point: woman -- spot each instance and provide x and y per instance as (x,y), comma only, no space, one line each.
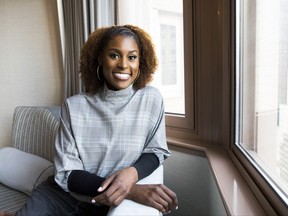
(112,135)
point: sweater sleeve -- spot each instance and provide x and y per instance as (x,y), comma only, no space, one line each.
(85,183)
(67,156)
(156,139)
(146,164)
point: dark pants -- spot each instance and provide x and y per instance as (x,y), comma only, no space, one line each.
(50,200)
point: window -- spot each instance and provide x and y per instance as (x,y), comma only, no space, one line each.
(262,90)
(164,20)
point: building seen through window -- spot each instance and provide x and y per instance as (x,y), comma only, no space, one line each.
(163,19)
(262,88)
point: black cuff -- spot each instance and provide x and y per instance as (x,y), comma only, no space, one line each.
(146,164)
(85,183)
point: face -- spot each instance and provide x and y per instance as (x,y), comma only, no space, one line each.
(120,62)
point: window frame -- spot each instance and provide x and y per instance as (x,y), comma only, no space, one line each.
(268,195)
(187,122)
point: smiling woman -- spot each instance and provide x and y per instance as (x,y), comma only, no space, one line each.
(136,56)
(112,135)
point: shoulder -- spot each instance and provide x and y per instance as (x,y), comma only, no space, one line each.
(78,102)
(78,98)
(150,98)
(151,92)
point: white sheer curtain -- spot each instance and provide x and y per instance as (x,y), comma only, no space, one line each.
(77,19)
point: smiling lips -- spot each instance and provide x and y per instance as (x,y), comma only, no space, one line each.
(121,76)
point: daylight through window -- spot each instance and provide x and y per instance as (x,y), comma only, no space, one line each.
(262,88)
(163,19)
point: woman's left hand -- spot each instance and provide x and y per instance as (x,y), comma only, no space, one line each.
(117,187)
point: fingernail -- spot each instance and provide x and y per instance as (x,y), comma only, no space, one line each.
(93,201)
(176,207)
(100,189)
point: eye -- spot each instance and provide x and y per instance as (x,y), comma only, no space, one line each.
(114,56)
(132,57)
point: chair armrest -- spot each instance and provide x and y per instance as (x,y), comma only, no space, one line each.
(131,208)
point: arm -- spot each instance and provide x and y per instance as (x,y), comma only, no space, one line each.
(146,164)
(156,138)
(66,153)
(155,195)
(134,207)
(119,184)
(85,183)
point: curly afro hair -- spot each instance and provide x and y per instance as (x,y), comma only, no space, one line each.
(96,43)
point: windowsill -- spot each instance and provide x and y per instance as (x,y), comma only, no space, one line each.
(237,197)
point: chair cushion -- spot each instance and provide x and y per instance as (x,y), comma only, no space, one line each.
(23,171)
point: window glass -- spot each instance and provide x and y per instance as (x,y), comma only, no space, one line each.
(168,59)
(163,19)
(262,88)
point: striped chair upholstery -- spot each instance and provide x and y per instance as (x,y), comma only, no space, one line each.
(11,200)
(33,130)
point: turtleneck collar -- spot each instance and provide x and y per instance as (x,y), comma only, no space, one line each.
(111,95)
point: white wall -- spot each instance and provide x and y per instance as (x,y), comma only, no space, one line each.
(30,58)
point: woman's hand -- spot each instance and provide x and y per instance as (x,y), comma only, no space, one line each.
(117,187)
(157,196)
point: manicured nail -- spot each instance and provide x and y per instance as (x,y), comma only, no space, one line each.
(93,201)
(176,207)
(100,189)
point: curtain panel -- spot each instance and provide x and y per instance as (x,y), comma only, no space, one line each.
(77,20)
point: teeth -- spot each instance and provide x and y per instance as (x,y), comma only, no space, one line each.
(122,76)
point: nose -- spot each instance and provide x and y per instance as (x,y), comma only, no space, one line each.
(122,63)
